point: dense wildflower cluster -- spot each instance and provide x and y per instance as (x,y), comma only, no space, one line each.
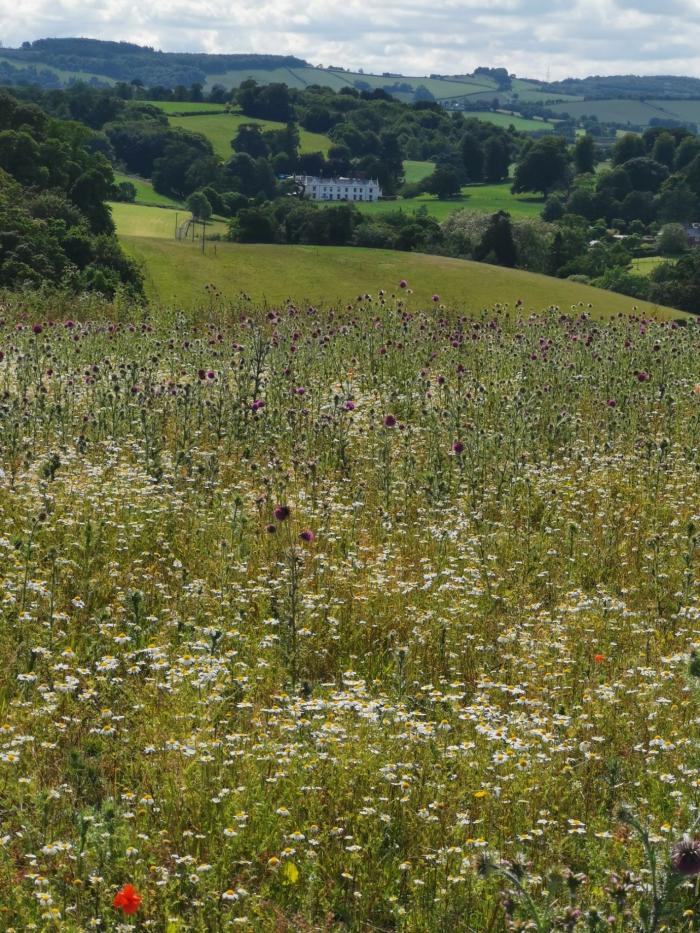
(305,617)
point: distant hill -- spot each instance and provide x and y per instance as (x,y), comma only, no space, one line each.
(124,61)
(57,62)
(656,100)
(635,87)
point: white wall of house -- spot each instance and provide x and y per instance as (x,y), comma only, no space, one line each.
(340,189)
(692,231)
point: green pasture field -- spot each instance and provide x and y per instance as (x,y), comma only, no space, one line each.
(522,124)
(485,198)
(688,110)
(145,193)
(634,112)
(178,273)
(160,222)
(416,171)
(183,107)
(646,264)
(220,129)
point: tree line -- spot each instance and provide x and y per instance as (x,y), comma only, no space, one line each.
(55,227)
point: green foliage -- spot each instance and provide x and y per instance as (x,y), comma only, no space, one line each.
(126,191)
(629,146)
(678,283)
(672,240)
(445,182)
(56,227)
(584,154)
(199,206)
(544,166)
(497,245)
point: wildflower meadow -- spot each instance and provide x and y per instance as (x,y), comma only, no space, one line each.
(380,617)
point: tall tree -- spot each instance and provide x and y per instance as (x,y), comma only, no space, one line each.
(496,159)
(629,146)
(584,155)
(497,244)
(544,167)
(472,157)
(198,205)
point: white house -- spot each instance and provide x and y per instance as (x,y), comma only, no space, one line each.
(692,231)
(339,189)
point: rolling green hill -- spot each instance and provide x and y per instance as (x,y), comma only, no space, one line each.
(179,273)
(632,112)
(94,60)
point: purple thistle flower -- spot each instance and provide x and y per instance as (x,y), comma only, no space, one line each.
(349,405)
(403,283)
(307,535)
(458,447)
(282,512)
(390,421)
(685,857)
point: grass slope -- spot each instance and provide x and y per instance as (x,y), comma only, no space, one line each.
(441,88)
(145,193)
(159,222)
(522,124)
(179,273)
(416,171)
(633,112)
(221,128)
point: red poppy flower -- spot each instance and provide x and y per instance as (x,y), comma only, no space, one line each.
(598,658)
(127,899)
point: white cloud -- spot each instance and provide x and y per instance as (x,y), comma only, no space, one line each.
(568,37)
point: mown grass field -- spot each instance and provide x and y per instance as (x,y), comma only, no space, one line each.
(148,221)
(145,193)
(221,128)
(416,171)
(383,618)
(646,265)
(179,273)
(485,198)
(180,107)
(522,124)
(635,112)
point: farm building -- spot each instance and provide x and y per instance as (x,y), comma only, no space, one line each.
(339,189)
(692,231)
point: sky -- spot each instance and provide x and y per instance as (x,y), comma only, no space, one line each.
(533,38)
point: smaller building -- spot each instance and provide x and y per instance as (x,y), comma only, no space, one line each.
(692,231)
(339,189)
